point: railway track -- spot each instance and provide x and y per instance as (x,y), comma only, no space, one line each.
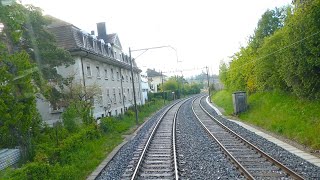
(252,162)
(156,159)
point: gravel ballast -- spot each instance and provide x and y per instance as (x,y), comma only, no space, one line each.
(117,166)
(304,168)
(199,157)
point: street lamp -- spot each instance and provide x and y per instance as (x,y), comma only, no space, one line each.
(131,68)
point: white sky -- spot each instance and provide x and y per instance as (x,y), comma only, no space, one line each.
(204,32)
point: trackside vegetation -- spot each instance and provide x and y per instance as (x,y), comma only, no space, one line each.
(282,54)
(281,113)
(73,153)
(280,71)
(74,147)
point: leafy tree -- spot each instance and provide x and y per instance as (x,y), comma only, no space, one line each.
(270,22)
(28,57)
(300,63)
(19,120)
(79,100)
(170,85)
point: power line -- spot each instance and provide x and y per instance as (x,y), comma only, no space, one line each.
(277,50)
(183,70)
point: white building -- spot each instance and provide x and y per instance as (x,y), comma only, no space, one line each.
(155,79)
(99,61)
(144,87)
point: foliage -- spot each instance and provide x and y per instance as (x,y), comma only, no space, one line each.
(179,86)
(19,120)
(79,100)
(63,154)
(279,112)
(71,118)
(283,54)
(28,57)
(171,84)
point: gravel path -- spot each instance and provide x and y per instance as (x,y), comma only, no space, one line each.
(304,168)
(199,157)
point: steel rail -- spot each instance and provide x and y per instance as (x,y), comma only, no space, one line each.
(242,169)
(174,143)
(135,173)
(274,161)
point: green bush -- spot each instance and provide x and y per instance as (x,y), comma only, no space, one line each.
(34,170)
(107,124)
(61,154)
(69,117)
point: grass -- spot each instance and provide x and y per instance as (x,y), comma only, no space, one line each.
(78,154)
(223,99)
(281,113)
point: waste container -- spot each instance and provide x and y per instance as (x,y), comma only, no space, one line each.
(239,99)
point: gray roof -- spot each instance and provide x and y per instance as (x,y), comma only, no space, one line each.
(72,38)
(152,73)
(114,40)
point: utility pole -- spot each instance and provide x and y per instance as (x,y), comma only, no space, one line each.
(134,90)
(208,82)
(164,100)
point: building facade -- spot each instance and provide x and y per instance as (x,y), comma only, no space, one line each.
(155,79)
(100,63)
(144,87)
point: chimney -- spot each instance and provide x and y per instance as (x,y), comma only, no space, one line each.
(92,33)
(102,31)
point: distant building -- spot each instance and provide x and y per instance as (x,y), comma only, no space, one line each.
(154,79)
(98,61)
(144,87)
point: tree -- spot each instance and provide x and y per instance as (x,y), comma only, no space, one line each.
(80,99)
(170,85)
(19,120)
(270,22)
(28,57)
(300,63)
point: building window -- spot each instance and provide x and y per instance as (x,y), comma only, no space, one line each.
(120,56)
(98,72)
(120,95)
(112,75)
(108,96)
(118,77)
(127,78)
(100,98)
(105,74)
(114,96)
(115,55)
(128,94)
(89,70)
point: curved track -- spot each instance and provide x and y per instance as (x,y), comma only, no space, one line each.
(252,162)
(158,159)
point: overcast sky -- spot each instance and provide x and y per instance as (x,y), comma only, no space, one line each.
(203,32)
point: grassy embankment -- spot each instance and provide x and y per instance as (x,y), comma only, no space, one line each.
(79,153)
(281,113)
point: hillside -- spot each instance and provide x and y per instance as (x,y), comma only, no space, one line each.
(281,113)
